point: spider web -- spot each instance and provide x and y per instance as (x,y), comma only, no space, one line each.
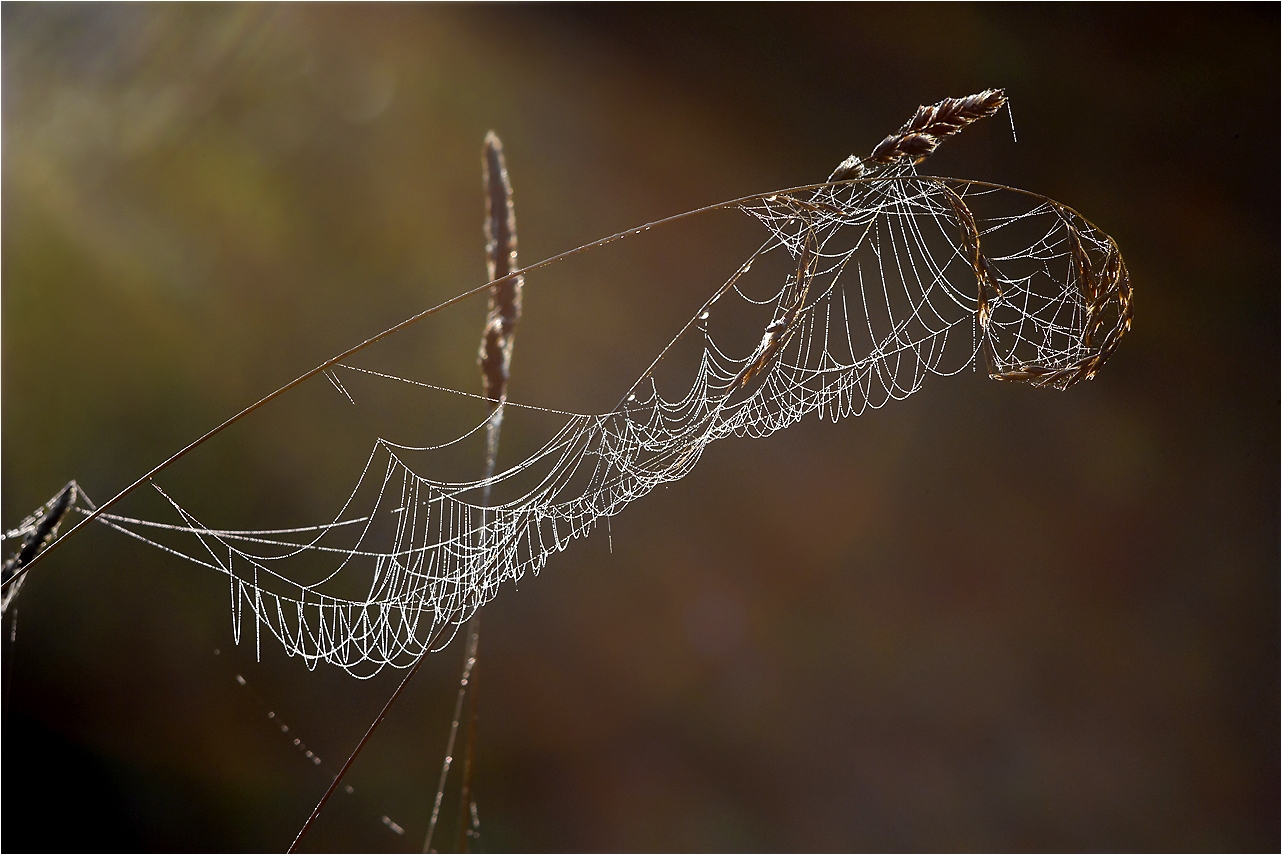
(861,291)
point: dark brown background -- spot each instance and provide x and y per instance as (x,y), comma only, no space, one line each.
(985,618)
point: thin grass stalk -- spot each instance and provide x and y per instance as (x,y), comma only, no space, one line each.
(449,744)
(496,364)
(495,360)
(387,707)
(469,820)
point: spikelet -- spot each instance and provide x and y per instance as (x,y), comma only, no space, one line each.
(930,126)
(500,251)
(851,167)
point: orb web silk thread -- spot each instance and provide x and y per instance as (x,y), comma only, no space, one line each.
(864,290)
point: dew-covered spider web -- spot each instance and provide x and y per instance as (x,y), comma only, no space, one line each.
(860,293)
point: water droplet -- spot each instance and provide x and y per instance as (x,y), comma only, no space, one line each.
(271,714)
(298,742)
(217,651)
(349,789)
(240,679)
(284,729)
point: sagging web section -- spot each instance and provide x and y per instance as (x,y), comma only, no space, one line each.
(860,292)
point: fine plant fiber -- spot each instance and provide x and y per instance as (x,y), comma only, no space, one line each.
(892,277)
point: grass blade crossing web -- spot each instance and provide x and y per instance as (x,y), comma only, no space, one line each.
(496,362)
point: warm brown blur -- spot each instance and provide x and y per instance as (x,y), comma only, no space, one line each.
(988,617)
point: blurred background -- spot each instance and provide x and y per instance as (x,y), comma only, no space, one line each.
(988,617)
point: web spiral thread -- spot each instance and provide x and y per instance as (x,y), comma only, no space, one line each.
(863,289)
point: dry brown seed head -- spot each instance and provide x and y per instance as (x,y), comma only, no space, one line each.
(930,126)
